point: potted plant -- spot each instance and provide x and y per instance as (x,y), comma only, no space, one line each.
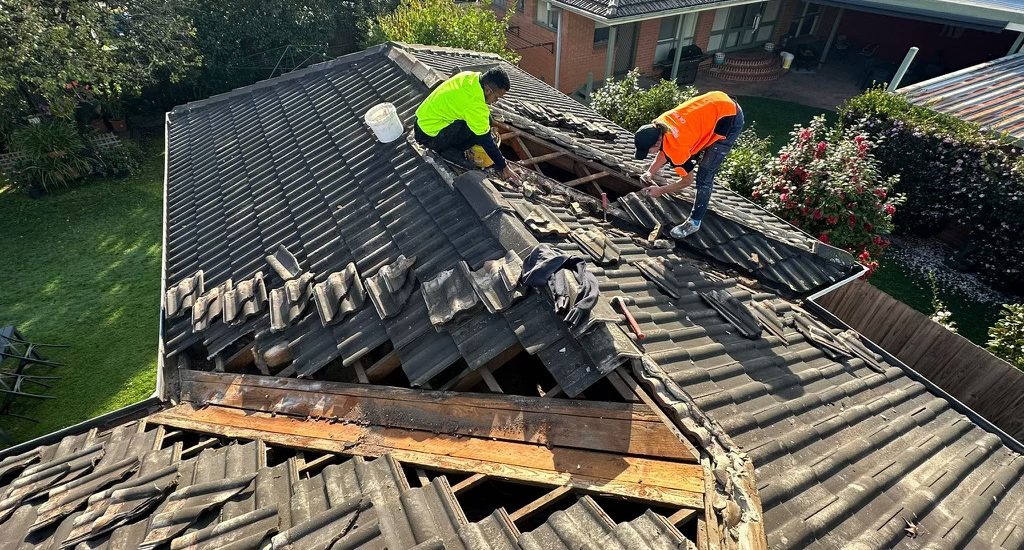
(115,116)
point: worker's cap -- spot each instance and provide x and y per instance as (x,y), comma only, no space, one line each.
(644,139)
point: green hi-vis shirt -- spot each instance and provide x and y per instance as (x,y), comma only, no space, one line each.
(459,98)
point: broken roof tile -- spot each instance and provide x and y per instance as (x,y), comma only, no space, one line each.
(496,282)
(449,295)
(284,263)
(336,527)
(245,300)
(289,302)
(340,295)
(244,531)
(540,219)
(734,311)
(187,503)
(209,306)
(183,295)
(39,478)
(597,244)
(391,286)
(66,497)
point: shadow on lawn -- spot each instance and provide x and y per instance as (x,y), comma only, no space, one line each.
(84,270)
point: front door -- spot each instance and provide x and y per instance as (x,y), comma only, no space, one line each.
(625,47)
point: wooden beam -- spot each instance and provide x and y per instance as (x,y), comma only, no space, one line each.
(656,409)
(422,477)
(204,444)
(635,478)
(468,378)
(615,379)
(384,366)
(585,179)
(511,133)
(361,375)
(682,516)
(630,183)
(490,381)
(541,158)
(606,427)
(553,392)
(316,462)
(547,499)
(468,483)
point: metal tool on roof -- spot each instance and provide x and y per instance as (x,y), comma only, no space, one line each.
(633,325)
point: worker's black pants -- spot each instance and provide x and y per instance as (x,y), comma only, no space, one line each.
(454,137)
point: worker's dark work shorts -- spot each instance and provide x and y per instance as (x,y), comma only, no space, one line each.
(454,137)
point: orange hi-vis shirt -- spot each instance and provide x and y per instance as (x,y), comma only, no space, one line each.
(691,126)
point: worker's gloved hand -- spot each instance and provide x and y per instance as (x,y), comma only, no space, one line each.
(653,191)
(510,175)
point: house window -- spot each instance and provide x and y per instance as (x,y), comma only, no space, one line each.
(600,35)
(665,49)
(744,26)
(547,15)
(504,3)
(806,22)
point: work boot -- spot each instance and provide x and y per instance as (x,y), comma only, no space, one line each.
(457,158)
(685,229)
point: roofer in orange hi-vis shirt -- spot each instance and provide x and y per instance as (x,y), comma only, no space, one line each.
(709,123)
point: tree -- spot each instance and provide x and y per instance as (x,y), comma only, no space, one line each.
(57,54)
(445,23)
(629,105)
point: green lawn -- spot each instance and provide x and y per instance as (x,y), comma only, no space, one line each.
(83,268)
(972,317)
(775,119)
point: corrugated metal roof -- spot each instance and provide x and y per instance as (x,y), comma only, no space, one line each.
(990,94)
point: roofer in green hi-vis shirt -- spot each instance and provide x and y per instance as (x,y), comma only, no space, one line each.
(455,117)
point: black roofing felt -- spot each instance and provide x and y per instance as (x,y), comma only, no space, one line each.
(229,496)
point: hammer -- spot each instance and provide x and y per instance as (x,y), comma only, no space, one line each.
(629,317)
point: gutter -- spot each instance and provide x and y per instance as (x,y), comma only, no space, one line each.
(646,16)
(957,405)
(161,383)
(840,284)
(112,417)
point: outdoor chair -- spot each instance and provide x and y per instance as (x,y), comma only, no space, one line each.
(14,346)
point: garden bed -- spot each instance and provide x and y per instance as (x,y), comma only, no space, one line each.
(903,274)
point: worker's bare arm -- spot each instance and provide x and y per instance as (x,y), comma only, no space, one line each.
(683,183)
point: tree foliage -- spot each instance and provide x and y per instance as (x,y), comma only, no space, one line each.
(445,23)
(59,53)
(1006,337)
(626,103)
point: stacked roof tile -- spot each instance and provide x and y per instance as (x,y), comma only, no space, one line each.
(130,488)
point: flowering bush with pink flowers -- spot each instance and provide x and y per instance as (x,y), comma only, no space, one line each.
(826,182)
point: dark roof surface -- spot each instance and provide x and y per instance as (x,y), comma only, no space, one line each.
(617,9)
(990,94)
(848,448)
(134,486)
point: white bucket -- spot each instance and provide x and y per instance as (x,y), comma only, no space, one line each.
(787,59)
(382,118)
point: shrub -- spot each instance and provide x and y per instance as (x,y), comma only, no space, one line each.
(951,172)
(445,23)
(827,183)
(1006,337)
(745,162)
(942,314)
(627,104)
(55,155)
(124,159)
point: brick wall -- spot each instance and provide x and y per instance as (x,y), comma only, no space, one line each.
(580,56)
(788,10)
(645,46)
(702,33)
(538,61)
